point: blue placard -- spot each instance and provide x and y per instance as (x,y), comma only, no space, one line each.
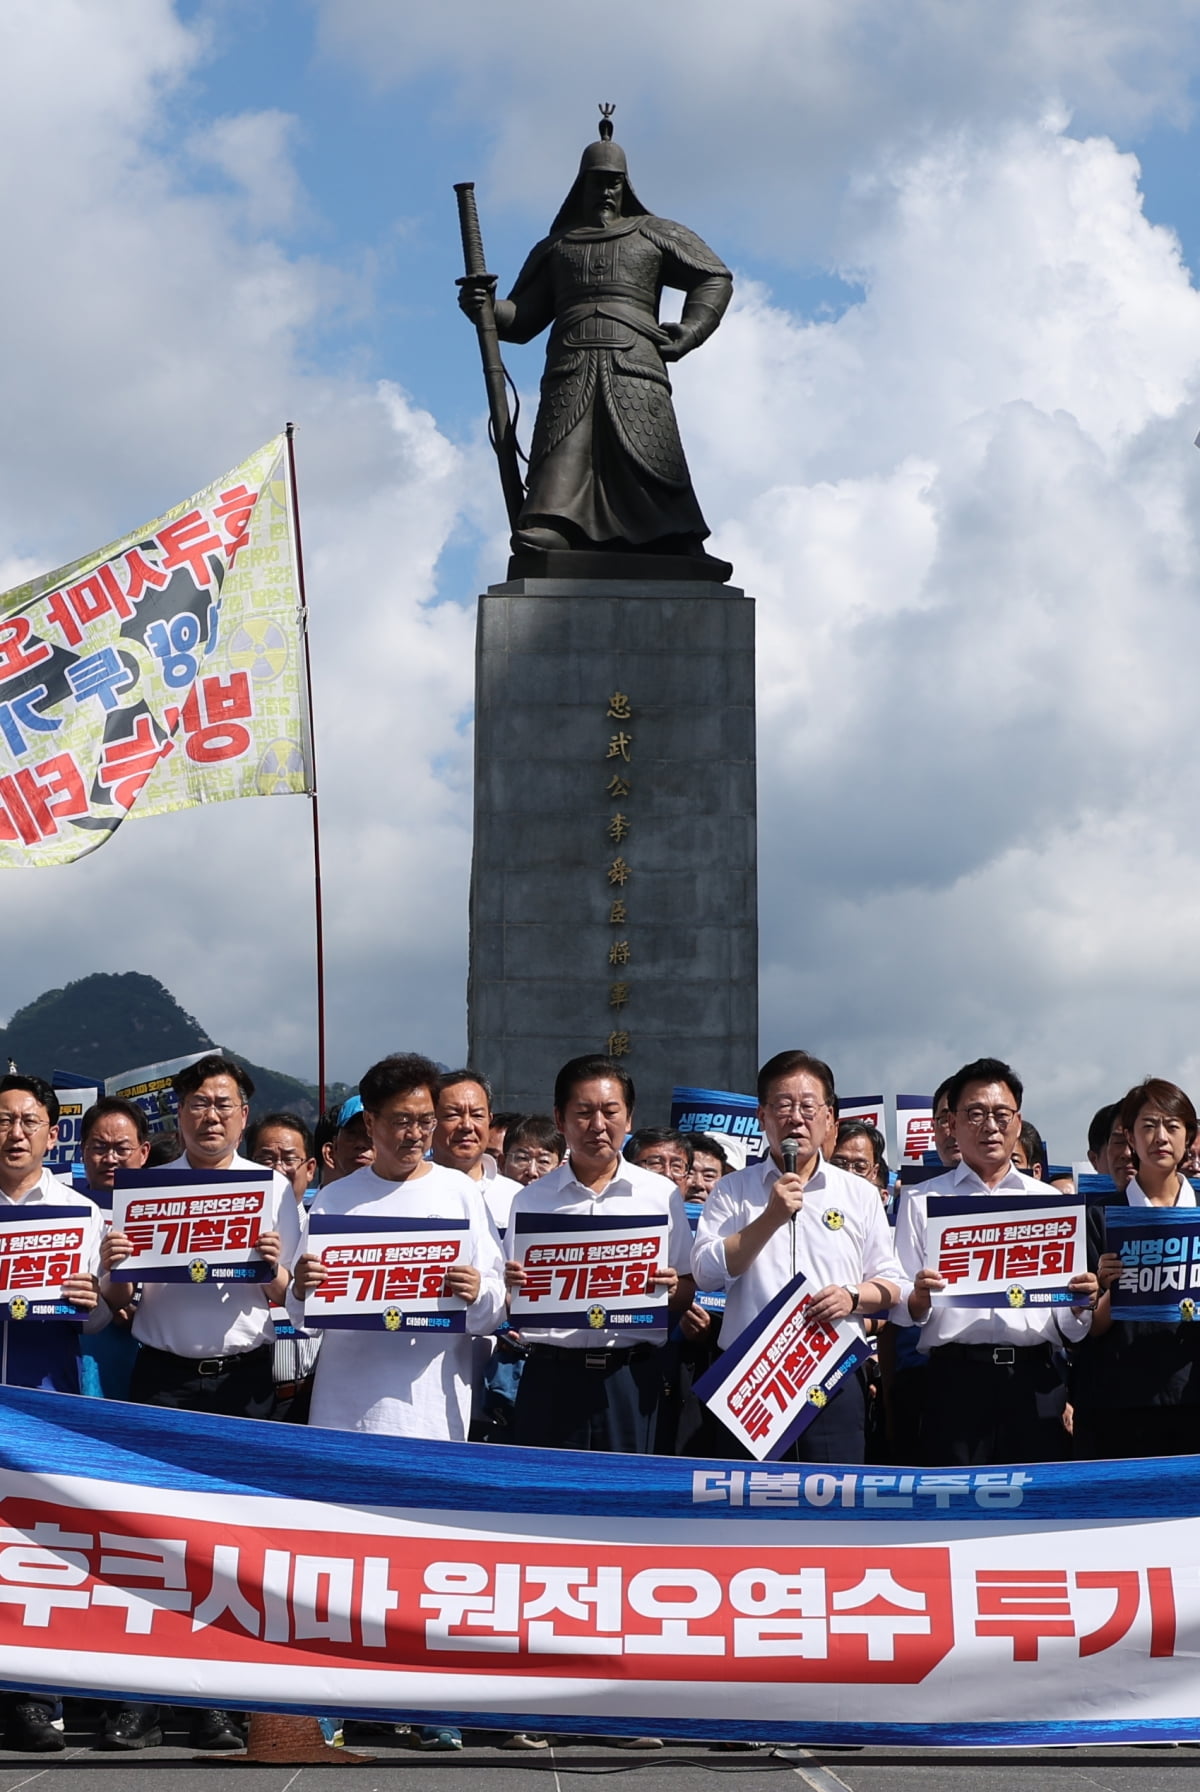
(1160,1248)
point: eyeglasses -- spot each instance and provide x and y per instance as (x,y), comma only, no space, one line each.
(665,1166)
(203,1104)
(857,1166)
(420,1124)
(279,1160)
(540,1160)
(785,1107)
(26,1122)
(94,1148)
(978,1118)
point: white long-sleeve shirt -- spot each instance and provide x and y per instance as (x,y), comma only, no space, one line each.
(631,1191)
(1019,1326)
(840,1237)
(407,1384)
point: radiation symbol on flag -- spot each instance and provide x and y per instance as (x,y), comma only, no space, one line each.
(282,762)
(258,646)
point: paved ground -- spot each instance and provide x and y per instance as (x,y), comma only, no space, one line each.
(676,1768)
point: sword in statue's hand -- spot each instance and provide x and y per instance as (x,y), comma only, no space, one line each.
(478,289)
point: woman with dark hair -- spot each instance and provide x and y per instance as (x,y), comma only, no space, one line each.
(1134,1385)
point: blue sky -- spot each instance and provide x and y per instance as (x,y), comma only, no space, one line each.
(944,434)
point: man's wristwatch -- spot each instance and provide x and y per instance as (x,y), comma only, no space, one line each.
(853,1293)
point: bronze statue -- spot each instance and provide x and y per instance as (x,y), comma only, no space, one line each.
(607,473)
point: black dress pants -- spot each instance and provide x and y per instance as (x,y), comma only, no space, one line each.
(990,1405)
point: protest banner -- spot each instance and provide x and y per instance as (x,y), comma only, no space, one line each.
(162,671)
(223,1562)
(75,1097)
(1160,1249)
(914,1127)
(771,1381)
(711,1299)
(730,1119)
(40,1246)
(149,1088)
(585,1270)
(385,1273)
(195,1225)
(1005,1250)
(868,1108)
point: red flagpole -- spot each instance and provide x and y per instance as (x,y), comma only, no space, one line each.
(316,817)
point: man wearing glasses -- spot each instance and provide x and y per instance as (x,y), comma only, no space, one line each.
(408,1384)
(994,1391)
(283,1142)
(764,1225)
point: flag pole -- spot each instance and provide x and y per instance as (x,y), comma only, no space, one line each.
(312,751)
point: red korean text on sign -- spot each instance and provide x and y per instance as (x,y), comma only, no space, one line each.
(1029,1605)
(36,799)
(194,1589)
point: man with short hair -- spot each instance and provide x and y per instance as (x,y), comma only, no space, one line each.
(42,1353)
(994,1393)
(283,1142)
(944,1141)
(709,1164)
(414,1384)
(207,1346)
(764,1225)
(664,1150)
(596,1389)
(463,1105)
(114,1135)
(860,1150)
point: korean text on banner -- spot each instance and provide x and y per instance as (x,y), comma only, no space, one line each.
(1160,1249)
(770,1383)
(582,1270)
(914,1127)
(385,1274)
(163,671)
(39,1248)
(867,1108)
(181,1555)
(195,1225)
(731,1119)
(1006,1250)
(711,1299)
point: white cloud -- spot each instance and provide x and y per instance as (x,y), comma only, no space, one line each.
(253,150)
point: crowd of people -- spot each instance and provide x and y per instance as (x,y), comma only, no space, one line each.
(948,1386)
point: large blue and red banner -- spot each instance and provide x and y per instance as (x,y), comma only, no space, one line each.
(225,1562)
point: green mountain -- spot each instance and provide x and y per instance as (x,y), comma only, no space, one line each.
(114,1021)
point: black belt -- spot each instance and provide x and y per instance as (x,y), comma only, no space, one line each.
(596,1359)
(209,1365)
(1003,1356)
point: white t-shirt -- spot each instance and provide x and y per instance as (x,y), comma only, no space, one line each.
(407,1384)
(1019,1326)
(213,1318)
(499,1193)
(632,1190)
(840,1236)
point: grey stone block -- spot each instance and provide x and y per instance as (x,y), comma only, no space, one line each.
(549,660)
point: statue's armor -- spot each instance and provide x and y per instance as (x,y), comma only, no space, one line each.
(606,454)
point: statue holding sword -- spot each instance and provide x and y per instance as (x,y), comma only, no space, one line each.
(607,472)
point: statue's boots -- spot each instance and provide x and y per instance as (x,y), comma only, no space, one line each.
(539,540)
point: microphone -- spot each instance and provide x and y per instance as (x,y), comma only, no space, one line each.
(791,1156)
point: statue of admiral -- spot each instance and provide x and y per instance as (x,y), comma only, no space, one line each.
(606,465)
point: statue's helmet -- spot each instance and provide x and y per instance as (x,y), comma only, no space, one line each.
(604,157)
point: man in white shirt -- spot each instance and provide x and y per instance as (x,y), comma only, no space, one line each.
(599,1389)
(994,1391)
(462,1102)
(205,1347)
(766,1224)
(407,1384)
(41,1353)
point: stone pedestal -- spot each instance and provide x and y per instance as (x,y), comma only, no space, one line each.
(614,887)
